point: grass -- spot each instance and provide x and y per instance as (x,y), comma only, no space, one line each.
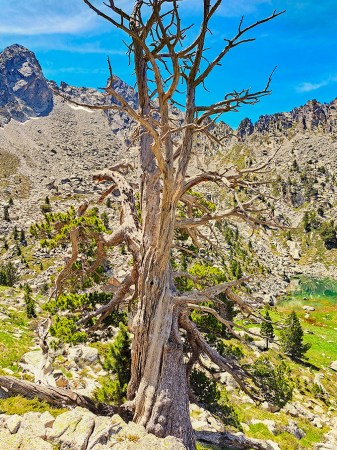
(248,412)
(20,405)
(12,347)
(319,327)
(320,330)
(202,446)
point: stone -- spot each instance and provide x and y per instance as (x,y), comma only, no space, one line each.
(293,429)
(317,422)
(10,441)
(47,419)
(13,423)
(308,308)
(73,429)
(24,90)
(333,366)
(35,443)
(103,430)
(82,354)
(32,425)
(135,437)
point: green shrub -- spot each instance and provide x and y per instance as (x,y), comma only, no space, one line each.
(117,362)
(8,275)
(20,405)
(274,381)
(29,301)
(291,338)
(215,400)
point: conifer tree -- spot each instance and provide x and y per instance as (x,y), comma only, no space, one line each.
(267,329)
(117,361)
(291,338)
(29,301)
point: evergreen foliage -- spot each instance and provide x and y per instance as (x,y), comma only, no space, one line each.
(65,329)
(15,233)
(274,381)
(117,362)
(67,309)
(291,338)
(213,399)
(54,231)
(29,301)
(8,275)
(6,213)
(328,232)
(267,329)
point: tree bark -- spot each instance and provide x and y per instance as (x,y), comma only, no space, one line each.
(158,383)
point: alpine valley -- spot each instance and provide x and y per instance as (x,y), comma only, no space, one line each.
(51,144)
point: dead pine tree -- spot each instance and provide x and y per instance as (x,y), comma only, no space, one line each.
(159,388)
(166,69)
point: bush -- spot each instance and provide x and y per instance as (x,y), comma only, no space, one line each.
(29,301)
(267,329)
(6,213)
(291,338)
(273,381)
(8,275)
(117,362)
(215,400)
(327,232)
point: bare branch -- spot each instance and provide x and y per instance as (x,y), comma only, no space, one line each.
(227,364)
(211,292)
(234,42)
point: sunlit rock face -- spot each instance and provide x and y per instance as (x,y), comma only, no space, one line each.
(24,91)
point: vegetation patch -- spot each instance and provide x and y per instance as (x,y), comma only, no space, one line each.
(20,405)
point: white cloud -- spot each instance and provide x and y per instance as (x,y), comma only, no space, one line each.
(36,17)
(309,87)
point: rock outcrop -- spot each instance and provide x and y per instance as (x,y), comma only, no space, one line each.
(77,429)
(24,91)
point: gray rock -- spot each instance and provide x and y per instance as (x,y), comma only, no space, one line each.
(333,366)
(295,430)
(13,423)
(73,429)
(24,91)
(308,308)
(103,430)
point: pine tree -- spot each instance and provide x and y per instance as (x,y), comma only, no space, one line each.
(291,338)
(29,301)
(6,213)
(267,329)
(117,362)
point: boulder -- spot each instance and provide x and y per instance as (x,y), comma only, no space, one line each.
(103,430)
(308,308)
(73,429)
(333,366)
(13,423)
(293,429)
(135,437)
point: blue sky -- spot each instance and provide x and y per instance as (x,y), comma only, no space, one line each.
(72,45)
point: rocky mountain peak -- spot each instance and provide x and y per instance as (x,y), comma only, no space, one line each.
(24,91)
(309,117)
